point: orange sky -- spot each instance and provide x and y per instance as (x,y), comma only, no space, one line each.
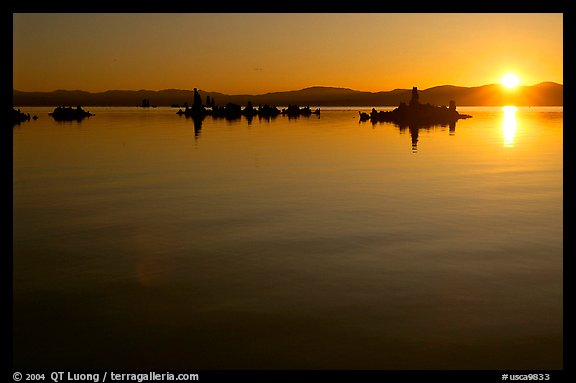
(258,53)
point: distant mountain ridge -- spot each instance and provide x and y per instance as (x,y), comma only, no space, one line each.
(543,94)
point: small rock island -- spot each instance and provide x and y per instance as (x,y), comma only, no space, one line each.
(16,116)
(69,114)
(416,113)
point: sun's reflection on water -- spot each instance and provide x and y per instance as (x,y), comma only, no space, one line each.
(509,125)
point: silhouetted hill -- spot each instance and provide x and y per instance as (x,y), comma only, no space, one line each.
(543,94)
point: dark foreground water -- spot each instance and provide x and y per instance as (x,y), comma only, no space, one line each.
(310,243)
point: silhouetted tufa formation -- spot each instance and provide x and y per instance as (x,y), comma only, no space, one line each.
(295,111)
(16,117)
(69,114)
(416,116)
(416,113)
(197,111)
(234,111)
(230,111)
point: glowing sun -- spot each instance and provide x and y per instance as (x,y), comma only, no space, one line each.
(510,80)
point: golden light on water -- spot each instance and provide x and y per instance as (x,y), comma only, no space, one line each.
(509,125)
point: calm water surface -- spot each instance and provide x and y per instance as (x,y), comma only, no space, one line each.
(310,243)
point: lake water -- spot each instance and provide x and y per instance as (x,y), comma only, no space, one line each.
(309,243)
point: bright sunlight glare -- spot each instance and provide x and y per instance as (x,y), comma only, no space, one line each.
(510,80)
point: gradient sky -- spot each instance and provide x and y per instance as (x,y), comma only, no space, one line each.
(239,53)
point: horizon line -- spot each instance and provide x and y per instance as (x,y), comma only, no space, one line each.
(277,91)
